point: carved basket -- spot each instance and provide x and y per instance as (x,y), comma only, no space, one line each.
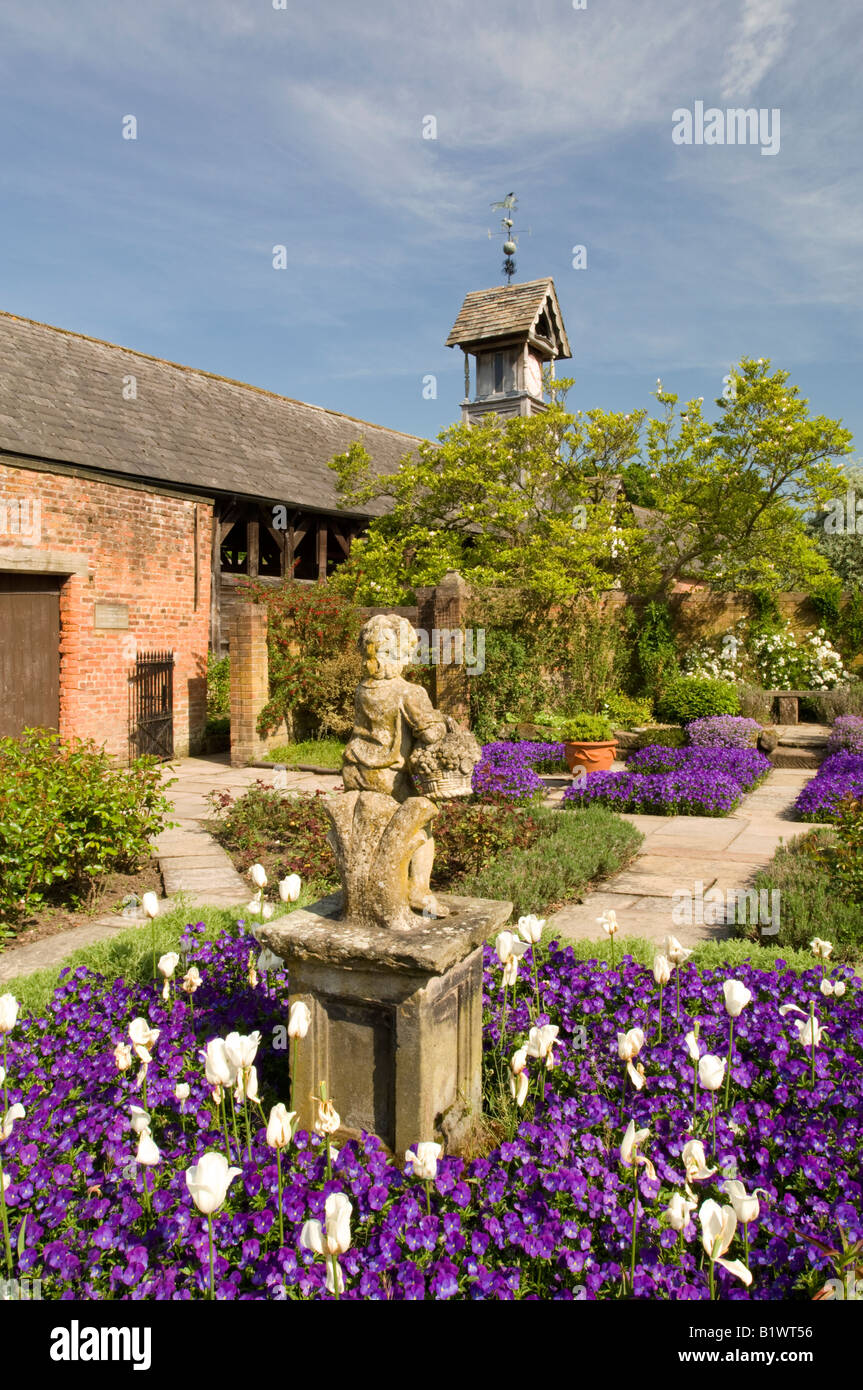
(442,786)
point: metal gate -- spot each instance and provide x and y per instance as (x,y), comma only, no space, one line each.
(151,706)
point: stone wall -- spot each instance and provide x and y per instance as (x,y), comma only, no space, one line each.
(125,545)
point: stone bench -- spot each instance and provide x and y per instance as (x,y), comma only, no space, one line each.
(788,703)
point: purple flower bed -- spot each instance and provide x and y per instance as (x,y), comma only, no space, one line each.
(689,791)
(745,766)
(675,781)
(546,1214)
(838,777)
(723,731)
(507,770)
(846,736)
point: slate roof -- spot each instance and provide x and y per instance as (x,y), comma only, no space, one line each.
(61,399)
(508,310)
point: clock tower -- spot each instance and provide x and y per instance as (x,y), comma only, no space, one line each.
(512,331)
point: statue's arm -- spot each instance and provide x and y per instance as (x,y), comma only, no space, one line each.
(427,723)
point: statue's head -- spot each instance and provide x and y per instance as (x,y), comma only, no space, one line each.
(387,645)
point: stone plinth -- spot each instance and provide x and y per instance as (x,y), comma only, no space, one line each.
(396,1029)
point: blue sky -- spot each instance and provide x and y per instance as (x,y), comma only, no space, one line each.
(303,126)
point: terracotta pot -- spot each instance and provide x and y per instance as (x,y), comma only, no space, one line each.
(593,757)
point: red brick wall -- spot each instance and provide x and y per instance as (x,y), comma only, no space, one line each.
(139,548)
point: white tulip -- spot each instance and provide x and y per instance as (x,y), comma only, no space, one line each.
(267,911)
(167,964)
(839,988)
(676,953)
(8,1012)
(182,1091)
(334,1238)
(147,1155)
(247,1085)
(820,948)
(328,1119)
(123,1056)
(737,996)
(268,960)
(150,904)
(299,1019)
(530,928)
(711,1071)
(746,1207)
(14,1113)
(140,1121)
(241,1050)
(337,1282)
(661,969)
(629,1155)
(280,1127)
(208,1181)
(608,922)
(809,1032)
(255,906)
(692,1046)
(518,1087)
(218,1067)
(142,1034)
(826,987)
(695,1163)
(258,875)
(191,980)
(6,1182)
(630,1044)
(424,1159)
(718,1225)
(679,1210)
(509,948)
(540,1042)
(290,888)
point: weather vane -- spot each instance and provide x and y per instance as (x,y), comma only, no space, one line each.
(510,245)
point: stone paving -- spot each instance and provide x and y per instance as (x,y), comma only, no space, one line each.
(678,854)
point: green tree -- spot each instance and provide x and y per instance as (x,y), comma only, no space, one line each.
(838,530)
(730,498)
(520,502)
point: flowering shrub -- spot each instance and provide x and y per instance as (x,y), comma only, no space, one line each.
(585,1198)
(776,659)
(687,698)
(723,731)
(839,776)
(846,736)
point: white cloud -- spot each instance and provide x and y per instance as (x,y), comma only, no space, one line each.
(764,32)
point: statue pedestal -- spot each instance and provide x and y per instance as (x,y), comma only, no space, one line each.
(396,1030)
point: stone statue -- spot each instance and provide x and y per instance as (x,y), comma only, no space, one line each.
(380,836)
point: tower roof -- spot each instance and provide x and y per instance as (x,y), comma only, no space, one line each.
(512,311)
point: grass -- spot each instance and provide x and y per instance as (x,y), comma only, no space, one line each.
(581,848)
(810,903)
(321,752)
(710,955)
(129,954)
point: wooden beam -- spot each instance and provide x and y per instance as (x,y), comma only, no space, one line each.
(343,540)
(254,546)
(322,548)
(216,588)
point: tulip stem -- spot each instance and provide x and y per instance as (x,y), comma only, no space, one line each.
(428,1198)
(535,978)
(294,1072)
(634,1219)
(225,1127)
(677,984)
(234,1121)
(503,1020)
(745,1225)
(212,1259)
(335,1260)
(5,1217)
(659,1039)
(146,1190)
(713,1108)
(246,1119)
(5,1076)
(728,1067)
(711,1275)
(812,1034)
(192,1014)
(281,1217)
(153,940)
(622,1093)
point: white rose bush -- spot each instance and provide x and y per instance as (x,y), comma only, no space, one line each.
(718,1159)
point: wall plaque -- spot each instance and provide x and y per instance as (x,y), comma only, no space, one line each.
(111,615)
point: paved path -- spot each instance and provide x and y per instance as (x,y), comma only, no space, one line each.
(691,854)
(678,853)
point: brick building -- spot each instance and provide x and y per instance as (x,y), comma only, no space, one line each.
(134,496)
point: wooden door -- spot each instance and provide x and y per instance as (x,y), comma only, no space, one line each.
(29,652)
